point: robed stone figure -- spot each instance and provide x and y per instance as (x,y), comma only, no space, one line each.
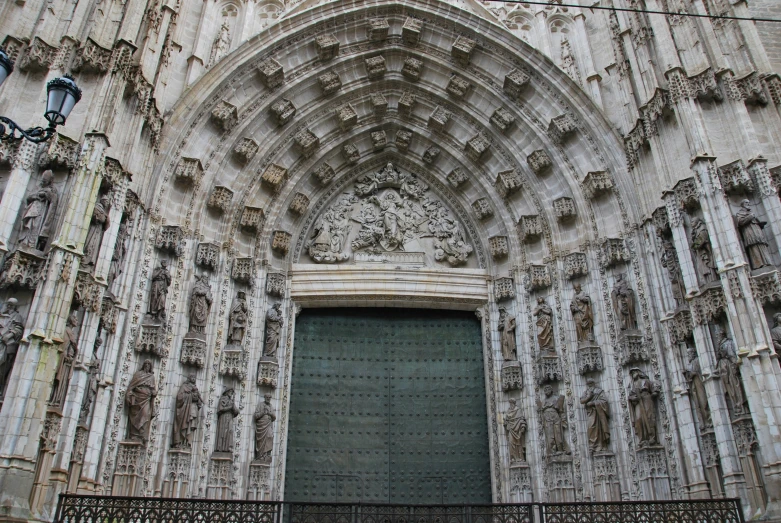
(188,405)
(598,412)
(775,332)
(11,331)
(697,392)
(120,251)
(237,321)
(642,396)
(753,236)
(624,304)
(64,371)
(670,262)
(139,398)
(39,215)
(583,315)
(92,390)
(515,425)
(727,369)
(226,411)
(273,331)
(554,422)
(507,327)
(703,259)
(97,227)
(161,280)
(544,315)
(264,429)
(200,304)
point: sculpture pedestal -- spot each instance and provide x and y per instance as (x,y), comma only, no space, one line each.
(150,339)
(548,369)
(589,358)
(512,376)
(129,469)
(520,482)
(220,474)
(268,369)
(178,477)
(607,485)
(194,350)
(561,487)
(652,472)
(233,362)
(259,484)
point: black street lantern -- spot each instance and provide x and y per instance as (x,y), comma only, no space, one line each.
(62,96)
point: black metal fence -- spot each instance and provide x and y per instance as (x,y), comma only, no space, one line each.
(114,509)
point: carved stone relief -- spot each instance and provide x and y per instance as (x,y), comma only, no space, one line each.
(476,147)
(407,101)
(403,139)
(329,82)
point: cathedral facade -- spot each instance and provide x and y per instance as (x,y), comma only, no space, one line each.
(393,251)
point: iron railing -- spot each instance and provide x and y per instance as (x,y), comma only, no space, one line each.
(115,509)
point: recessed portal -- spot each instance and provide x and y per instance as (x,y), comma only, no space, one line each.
(388,405)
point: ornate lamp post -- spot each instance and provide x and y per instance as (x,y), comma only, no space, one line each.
(62,95)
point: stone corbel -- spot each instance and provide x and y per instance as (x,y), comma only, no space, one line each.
(539,161)
(22,269)
(375,67)
(410,31)
(462,50)
(499,247)
(170,238)
(431,154)
(306,142)
(88,293)
(561,127)
(477,146)
(564,208)
(245,150)
(502,119)
(406,104)
(92,57)
(596,183)
(614,252)
(299,204)
(735,178)
(243,270)
(482,208)
(220,199)
(324,174)
(508,182)
(274,176)
(327,47)
(252,219)
(575,265)
(283,111)
(766,287)
(39,56)
(687,193)
(225,115)
(530,228)
(280,242)
(207,255)
(708,305)
(539,277)
(275,284)
(189,171)
(329,82)
(504,289)
(271,73)
(403,139)
(62,152)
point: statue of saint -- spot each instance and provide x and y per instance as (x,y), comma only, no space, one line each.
(120,251)
(775,332)
(554,422)
(97,227)
(237,321)
(92,388)
(507,333)
(583,315)
(200,304)
(670,262)
(221,44)
(703,259)
(226,411)
(544,315)
(161,280)
(273,331)
(624,304)
(65,367)
(515,425)
(188,406)
(642,396)
(753,236)
(727,369)
(11,331)
(264,429)
(39,215)
(139,398)
(693,376)
(598,411)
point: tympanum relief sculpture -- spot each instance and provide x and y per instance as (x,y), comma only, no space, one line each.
(273,331)
(39,214)
(507,325)
(624,304)
(554,422)
(699,397)
(64,371)
(583,314)
(139,399)
(226,412)
(264,430)
(515,425)
(389,216)
(598,412)
(728,371)
(97,227)
(752,236)
(237,320)
(188,407)
(704,262)
(11,331)
(643,393)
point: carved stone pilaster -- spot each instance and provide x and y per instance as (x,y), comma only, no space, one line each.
(462,50)
(631,347)
(329,82)
(283,110)
(614,252)
(548,369)
(482,208)
(476,147)
(504,289)
(575,265)
(88,293)
(246,149)
(193,350)
(708,305)
(267,373)
(327,47)
(680,326)
(233,364)
(307,142)
(92,58)
(502,119)
(539,277)
(589,358)
(375,67)
(150,341)
(564,208)
(109,315)
(189,171)
(735,178)
(22,269)
(596,184)
(243,270)
(252,219)
(347,117)
(457,87)
(39,56)
(274,176)
(271,73)
(687,193)
(530,228)
(457,178)
(431,154)
(351,153)
(512,376)
(539,161)
(439,119)
(225,115)
(280,242)
(410,31)
(379,105)
(499,247)
(299,204)
(170,239)
(514,82)
(508,182)
(62,152)
(403,139)
(561,127)
(379,140)
(220,199)
(766,287)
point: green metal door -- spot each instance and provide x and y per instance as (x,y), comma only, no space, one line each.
(387,406)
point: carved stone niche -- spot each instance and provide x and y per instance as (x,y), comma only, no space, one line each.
(329,82)
(64,152)
(299,204)
(631,348)
(539,161)
(462,50)
(412,69)
(438,119)
(327,47)
(512,376)
(458,87)
(220,199)
(482,208)
(189,171)
(530,228)
(150,341)
(508,182)
(379,140)
(243,270)
(378,29)
(548,369)
(274,176)
(280,242)
(351,153)
(347,117)
(687,194)
(514,82)
(283,110)
(22,269)
(406,104)
(252,219)
(246,149)
(614,252)
(561,127)
(232,364)
(193,350)
(306,142)
(275,284)
(207,255)
(539,277)
(596,184)
(403,139)
(504,289)
(766,287)
(476,147)
(499,247)
(502,119)
(709,305)
(271,73)
(661,220)
(410,31)
(92,58)
(564,208)
(375,67)
(225,115)
(457,178)
(575,265)
(267,374)
(735,178)
(379,104)
(170,238)
(431,154)
(589,359)
(324,174)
